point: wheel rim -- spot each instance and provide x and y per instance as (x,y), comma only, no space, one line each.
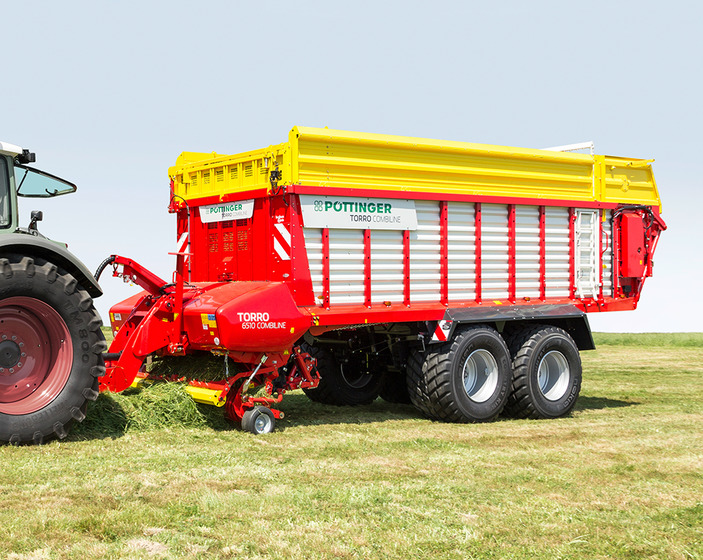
(480,375)
(263,423)
(354,377)
(36,355)
(553,375)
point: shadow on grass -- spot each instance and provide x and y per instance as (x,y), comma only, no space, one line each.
(168,406)
(112,416)
(301,411)
(599,403)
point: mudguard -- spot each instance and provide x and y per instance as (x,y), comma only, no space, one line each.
(34,246)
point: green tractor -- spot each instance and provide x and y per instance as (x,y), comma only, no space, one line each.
(51,344)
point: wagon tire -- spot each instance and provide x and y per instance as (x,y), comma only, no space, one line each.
(51,350)
(339,387)
(395,388)
(468,378)
(416,384)
(546,373)
(258,420)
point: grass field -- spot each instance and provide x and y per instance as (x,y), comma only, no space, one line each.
(622,477)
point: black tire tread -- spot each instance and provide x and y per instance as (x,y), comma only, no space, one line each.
(416,384)
(441,401)
(331,389)
(521,343)
(324,393)
(395,388)
(58,426)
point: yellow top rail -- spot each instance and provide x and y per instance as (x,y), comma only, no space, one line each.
(329,159)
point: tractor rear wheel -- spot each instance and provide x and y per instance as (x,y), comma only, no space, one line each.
(50,350)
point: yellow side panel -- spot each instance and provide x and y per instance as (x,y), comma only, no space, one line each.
(333,158)
(199,175)
(630,182)
(319,157)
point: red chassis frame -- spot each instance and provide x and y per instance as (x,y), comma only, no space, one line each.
(160,320)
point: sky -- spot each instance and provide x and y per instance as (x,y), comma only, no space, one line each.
(108,94)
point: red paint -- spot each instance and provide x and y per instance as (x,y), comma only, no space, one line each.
(542,254)
(477,249)
(326,268)
(41,343)
(367,267)
(512,267)
(406,267)
(572,253)
(444,252)
(449,197)
(599,260)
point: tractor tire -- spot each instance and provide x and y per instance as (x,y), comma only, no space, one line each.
(546,373)
(339,387)
(468,378)
(50,350)
(416,385)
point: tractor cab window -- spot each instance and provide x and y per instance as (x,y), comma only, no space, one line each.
(34,183)
(5,218)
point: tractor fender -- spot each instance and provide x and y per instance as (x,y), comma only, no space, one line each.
(35,246)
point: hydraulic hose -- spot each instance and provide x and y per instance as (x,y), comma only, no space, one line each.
(103,265)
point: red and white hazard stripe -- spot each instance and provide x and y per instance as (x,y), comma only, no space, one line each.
(442,331)
(183,245)
(281,242)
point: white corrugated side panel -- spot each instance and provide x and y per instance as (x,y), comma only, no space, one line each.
(425,254)
(461,253)
(494,251)
(386,265)
(313,247)
(557,251)
(346,266)
(526,252)
(608,255)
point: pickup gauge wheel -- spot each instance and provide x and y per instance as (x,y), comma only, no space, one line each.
(258,420)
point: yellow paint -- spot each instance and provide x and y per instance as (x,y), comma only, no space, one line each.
(319,157)
(205,396)
(208,322)
(497,302)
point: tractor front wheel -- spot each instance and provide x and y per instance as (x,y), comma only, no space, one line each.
(50,350)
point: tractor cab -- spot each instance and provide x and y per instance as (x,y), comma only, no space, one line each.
(18,179)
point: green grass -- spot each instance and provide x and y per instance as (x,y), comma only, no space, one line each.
(676,340)
(151,475)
